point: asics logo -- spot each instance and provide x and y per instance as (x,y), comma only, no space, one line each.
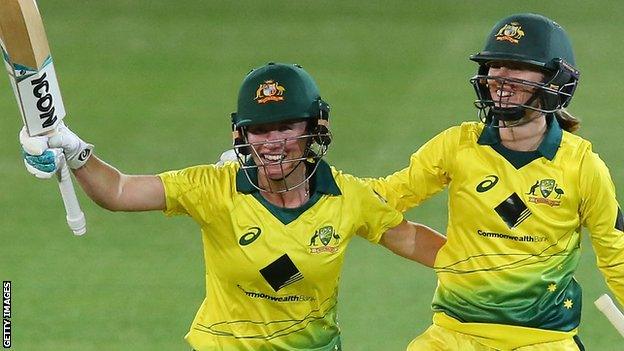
(250,236)
(487,184)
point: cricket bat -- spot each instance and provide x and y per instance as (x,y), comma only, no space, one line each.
(610,310)
(27,58)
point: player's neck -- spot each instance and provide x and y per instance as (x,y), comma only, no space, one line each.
(526,137)
(293,198)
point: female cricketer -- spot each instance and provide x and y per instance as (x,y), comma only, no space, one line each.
(275,225)
(521,186)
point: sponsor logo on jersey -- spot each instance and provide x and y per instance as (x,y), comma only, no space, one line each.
(281,272)
(487,184)
(324,239)
(269,91)
(513,211)
(511,32)
(521,238)
(250,236)
(274,298)
(546,188)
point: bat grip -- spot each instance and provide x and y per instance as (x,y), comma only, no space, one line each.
(610,310)
(75,217)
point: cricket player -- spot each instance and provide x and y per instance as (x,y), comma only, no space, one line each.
(521,186)
(275,225)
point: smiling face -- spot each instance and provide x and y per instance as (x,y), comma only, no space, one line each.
(508,91)
(278,148)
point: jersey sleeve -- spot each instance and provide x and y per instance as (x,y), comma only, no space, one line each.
(602,216)
(188,191)
(377,215)
(427,174)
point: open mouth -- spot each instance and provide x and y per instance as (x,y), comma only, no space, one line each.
(273,159)
(504,93)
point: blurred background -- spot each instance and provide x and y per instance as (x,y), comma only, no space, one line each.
(152,83)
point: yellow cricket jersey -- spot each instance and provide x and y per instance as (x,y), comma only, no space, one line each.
(272,273)
(505,274)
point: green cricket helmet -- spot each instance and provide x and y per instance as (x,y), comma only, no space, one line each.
(277,92)
(534,41)
(280,92)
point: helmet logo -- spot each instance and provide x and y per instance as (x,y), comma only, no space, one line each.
(269,91)
(511,32)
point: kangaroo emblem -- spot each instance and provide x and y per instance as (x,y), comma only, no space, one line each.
(533,188)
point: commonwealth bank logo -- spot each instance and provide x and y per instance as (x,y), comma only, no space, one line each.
(513,211)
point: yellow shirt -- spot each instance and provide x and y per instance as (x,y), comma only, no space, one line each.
(272,274)
(514,219)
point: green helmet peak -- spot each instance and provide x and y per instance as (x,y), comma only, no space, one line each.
(528,38)
(277,92)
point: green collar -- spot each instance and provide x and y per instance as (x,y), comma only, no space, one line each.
(547,148)
(322,181)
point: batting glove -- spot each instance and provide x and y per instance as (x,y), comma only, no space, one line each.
(227,156)
(42,154)
(76,151)
(43,166)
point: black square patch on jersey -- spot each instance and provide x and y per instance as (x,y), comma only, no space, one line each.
(513,211)
(619,221)
(281,272)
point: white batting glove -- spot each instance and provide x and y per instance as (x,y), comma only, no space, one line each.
(42,154)
(227,156)
(76,151)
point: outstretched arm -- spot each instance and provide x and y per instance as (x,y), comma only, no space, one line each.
(116,191)
(414,241)
(103,183)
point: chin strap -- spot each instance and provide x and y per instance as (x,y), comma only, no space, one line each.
(513,114)
(517,123)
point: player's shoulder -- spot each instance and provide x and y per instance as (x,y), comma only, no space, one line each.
(463,131)
(572,140)
(342,177)
(350,184)
(469,131)
(203,174)
(574,146)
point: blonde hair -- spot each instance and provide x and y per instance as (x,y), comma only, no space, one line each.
(567,122)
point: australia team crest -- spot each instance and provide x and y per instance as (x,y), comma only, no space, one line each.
(511,32)
(324,239)
(549,190)
(269,91)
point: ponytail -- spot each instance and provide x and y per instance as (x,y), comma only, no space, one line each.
(566,121)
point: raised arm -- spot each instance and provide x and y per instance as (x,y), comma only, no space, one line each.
(116,191)
(414,241)
(104,184)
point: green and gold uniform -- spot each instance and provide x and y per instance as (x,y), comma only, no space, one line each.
(506,273)
(272,273)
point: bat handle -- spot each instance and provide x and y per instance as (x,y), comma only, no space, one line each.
(610,310)
(75,218)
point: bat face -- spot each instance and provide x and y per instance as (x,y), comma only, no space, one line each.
(27,59)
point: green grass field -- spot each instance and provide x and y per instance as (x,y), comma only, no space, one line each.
(152,83)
